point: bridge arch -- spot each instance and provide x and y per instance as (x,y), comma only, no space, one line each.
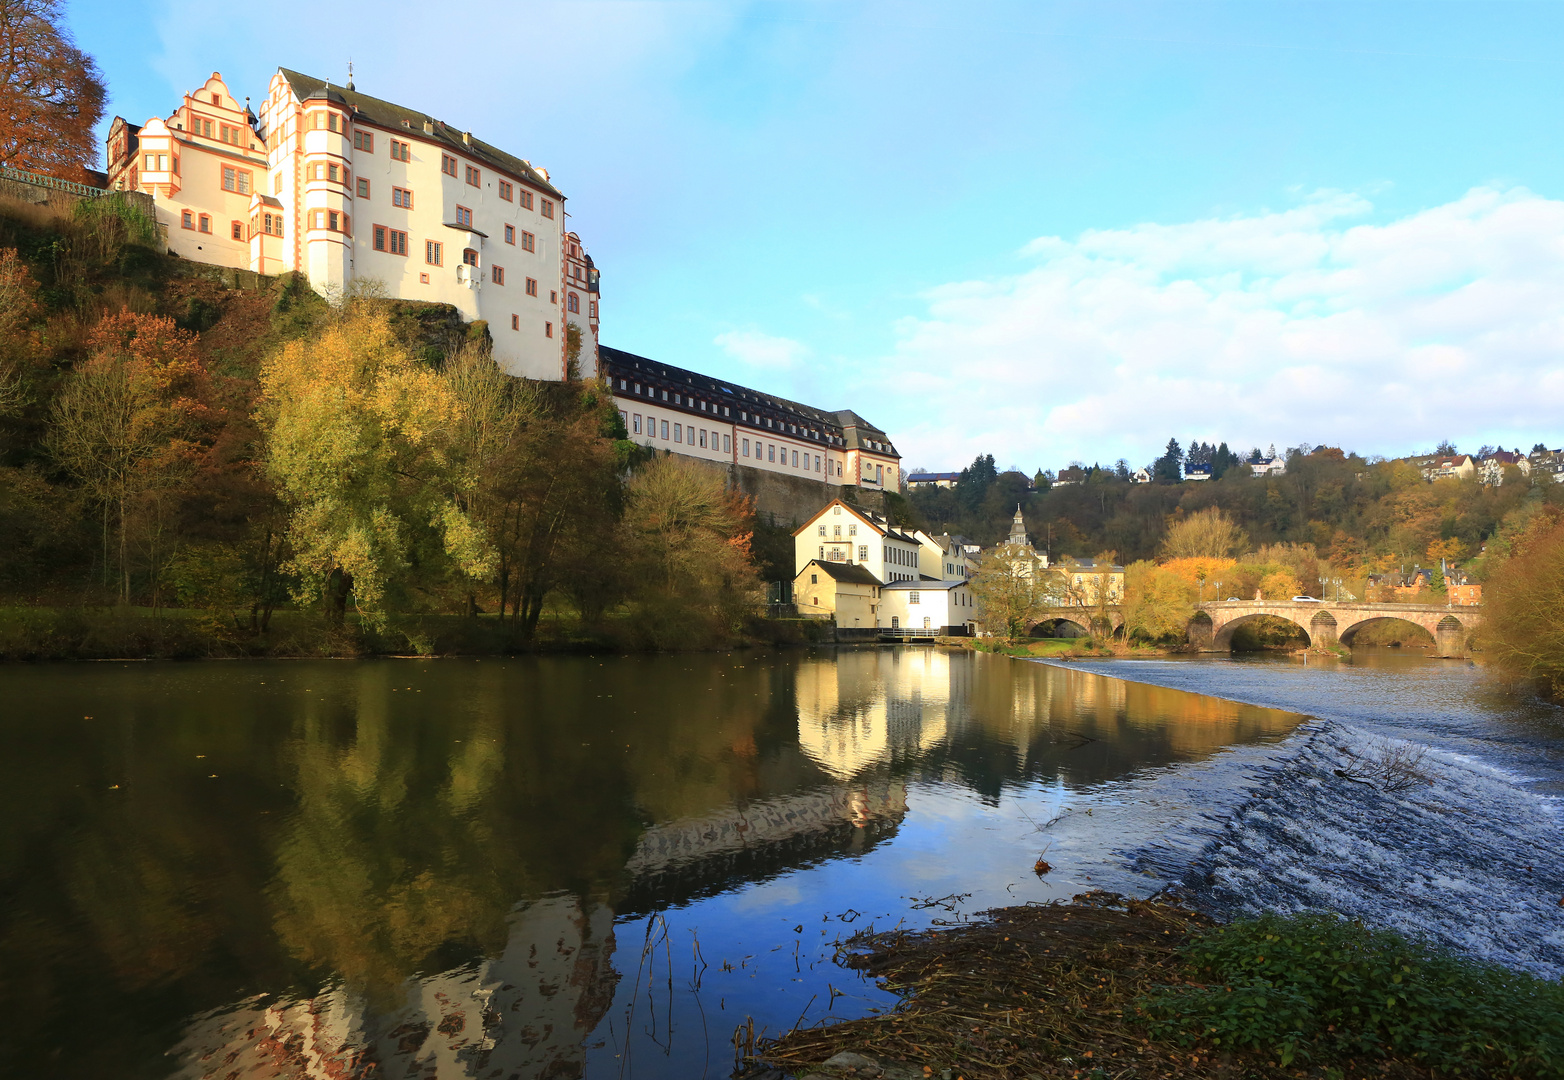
(1062,626)
(1415,631)
(1222,639)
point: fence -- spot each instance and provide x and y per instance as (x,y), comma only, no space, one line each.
(21,176)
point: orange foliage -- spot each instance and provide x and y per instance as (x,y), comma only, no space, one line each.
(1196,570)
(51,94)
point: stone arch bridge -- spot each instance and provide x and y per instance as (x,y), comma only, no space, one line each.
(1329,621)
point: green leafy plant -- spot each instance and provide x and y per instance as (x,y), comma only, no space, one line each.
(1318,987)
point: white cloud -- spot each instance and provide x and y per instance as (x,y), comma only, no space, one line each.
(1292,326)
(757,350)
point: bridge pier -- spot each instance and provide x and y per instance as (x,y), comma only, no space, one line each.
(1450,639)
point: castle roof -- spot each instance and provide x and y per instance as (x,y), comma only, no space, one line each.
(393,117)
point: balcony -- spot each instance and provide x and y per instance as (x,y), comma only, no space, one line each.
(469,276)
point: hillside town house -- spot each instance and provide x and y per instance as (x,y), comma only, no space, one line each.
(347,189)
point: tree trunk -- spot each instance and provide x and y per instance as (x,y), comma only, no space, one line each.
(338,585)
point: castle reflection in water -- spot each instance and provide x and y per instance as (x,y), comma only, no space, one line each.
(428,883)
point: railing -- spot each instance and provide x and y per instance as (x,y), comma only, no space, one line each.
(909,633)
(39,180)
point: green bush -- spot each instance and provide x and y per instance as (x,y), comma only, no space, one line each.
(1318,987)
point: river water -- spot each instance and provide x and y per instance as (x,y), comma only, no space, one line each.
(560,867)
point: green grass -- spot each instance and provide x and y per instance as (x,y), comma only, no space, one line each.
(1321,989)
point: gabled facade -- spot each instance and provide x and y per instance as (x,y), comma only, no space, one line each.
(943,558)
(846,593)
(201,164)
(843,533)
(349,189)
(1449,466)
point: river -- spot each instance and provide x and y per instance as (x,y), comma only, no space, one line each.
(602,866)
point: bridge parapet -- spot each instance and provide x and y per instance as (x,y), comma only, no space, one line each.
(1327,621)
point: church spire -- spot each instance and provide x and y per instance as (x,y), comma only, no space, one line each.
(1018,530)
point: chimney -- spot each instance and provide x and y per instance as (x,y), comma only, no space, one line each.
(466,138)
(428,127)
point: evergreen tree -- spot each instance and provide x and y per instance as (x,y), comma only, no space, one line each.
(1169,468)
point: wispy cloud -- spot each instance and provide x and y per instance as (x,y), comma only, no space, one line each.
(1296,325)
(763,351)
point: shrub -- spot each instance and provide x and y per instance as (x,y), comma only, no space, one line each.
(1318,987)
(1523,598)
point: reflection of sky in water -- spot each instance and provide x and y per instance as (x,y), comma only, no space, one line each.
(455,866)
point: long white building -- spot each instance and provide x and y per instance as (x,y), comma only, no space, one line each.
(671,408)
(345,187)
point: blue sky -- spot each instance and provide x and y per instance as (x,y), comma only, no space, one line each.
(1049,231)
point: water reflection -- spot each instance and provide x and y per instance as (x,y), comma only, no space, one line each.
(417,868)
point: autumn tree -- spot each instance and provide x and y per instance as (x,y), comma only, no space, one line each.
(550,503)
(18,308)
(124,425)
(51,95)
(1523,602)
(1011,590)
(690,536)
(1209,534)
(1158,602)
(359,441)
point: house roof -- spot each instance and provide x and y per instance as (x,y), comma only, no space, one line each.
(877,521)
(393,117)
(928,477)
(848,573)
(617,363)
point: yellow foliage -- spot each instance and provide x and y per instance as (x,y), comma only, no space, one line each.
(1201,570)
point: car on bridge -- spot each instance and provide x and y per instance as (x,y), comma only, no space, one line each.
(1306,600)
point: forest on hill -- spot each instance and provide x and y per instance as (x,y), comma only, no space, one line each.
(1358,515)
(192,468)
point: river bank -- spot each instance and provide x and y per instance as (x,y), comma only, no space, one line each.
(111,633)
(1446,839)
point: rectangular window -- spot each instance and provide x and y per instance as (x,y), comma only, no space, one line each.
(863,553)
(497,275)
(592,313)
(525,200)
(333,221)
(333,122)
(402,197)
(391,241)
(187,220)
(434,253)
(469,256)
(678,433)
(510,234)
(236,180)
(335,175)
(464,217)
(277,184)
(363,188)
(636,420)
(912,597)
(548,329)
(515,322)
(703,439)
(795,459)
(746,447)
(474,177)
(665,429)
(423,279)
(206,223)
(532,286)
(447,164)
(771,452)
(238,230)
(399,151)
(528,241)
(548,208)
(817,463)
(727,444)
(505,190)
(365,141)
